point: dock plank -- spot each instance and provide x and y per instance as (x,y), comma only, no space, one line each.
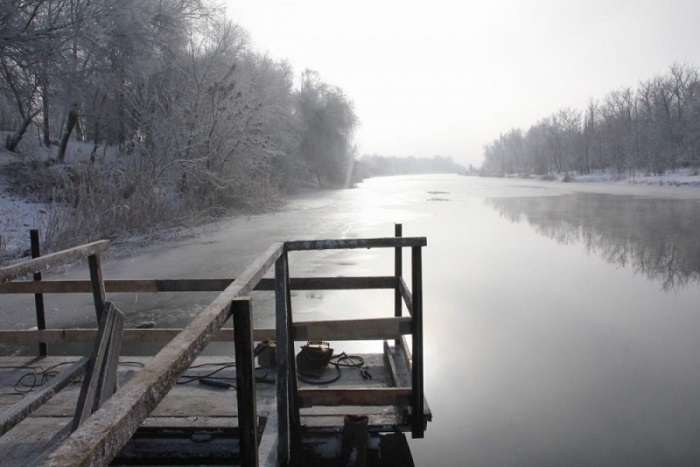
(190,406)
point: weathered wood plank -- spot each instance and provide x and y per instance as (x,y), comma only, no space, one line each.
(354,396)
(356,329)
(267,450)
(336,330)
(406,294)
(60,258)
(398,273)
(417,421)
(99,439)
(342,283)
(245,381)
(282,357)
(108,377)
(194,285)
(350,243)
(88,392)
(38,297)
(98,284)
(389,363)
(408,358)
(19,411)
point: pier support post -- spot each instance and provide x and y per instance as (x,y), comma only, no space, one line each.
(354,450)
(417,405)
(38,298)
(241,308)
(398,272)
(287,406)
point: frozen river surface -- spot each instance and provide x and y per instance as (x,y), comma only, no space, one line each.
(562,321)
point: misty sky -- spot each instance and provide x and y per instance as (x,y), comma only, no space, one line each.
(447,77)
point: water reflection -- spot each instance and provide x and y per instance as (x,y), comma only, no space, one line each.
(655,237)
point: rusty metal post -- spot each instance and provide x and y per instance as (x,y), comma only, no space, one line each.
(417,405)
(38,298)
(245,381)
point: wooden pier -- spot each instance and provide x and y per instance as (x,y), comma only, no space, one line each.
(180,407)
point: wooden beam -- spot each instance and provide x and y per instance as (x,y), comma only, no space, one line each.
(406,294)
(354,396)
(89,394)
(194,285)
(417,420)
(283,337)
(38,298)
(267,450)
(351,330)
(390,364)
(350,243)
(98,284)
(100,438)
(342,283)
(60,258)
(398,273)
(333,330)
(108,377)
(22,409)
(408,358)
(245,381)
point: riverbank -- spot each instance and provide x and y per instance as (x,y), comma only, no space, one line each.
(84,200)
(681,177)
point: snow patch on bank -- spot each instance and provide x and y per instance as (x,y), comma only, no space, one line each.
(681,177)
(17,217)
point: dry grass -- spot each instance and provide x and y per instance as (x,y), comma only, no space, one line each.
(119,202)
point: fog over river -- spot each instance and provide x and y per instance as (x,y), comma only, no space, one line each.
(561,320)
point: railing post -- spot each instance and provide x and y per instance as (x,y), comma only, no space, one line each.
(282,349)
(98,284)
(294,418)
(38,298)
(417,408)
(398,273)
(241,308)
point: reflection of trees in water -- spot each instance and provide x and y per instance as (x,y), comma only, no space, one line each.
(659,238)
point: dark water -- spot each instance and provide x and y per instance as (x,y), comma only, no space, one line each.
(562,321)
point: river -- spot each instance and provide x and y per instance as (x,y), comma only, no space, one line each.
(561,320)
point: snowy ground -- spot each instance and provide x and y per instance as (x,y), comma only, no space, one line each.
(17,217)
(682,177)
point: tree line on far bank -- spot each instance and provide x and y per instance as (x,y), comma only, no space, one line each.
(196,120)
(652,128)
(375,165)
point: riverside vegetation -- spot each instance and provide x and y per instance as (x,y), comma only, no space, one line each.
(129,116)
(125,118)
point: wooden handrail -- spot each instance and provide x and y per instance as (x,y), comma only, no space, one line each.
(60,258)
(350,243)
(100,437)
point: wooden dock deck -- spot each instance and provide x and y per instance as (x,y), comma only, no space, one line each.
(180,407)
(194,421)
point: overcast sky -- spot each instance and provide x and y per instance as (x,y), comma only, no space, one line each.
(446,77)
